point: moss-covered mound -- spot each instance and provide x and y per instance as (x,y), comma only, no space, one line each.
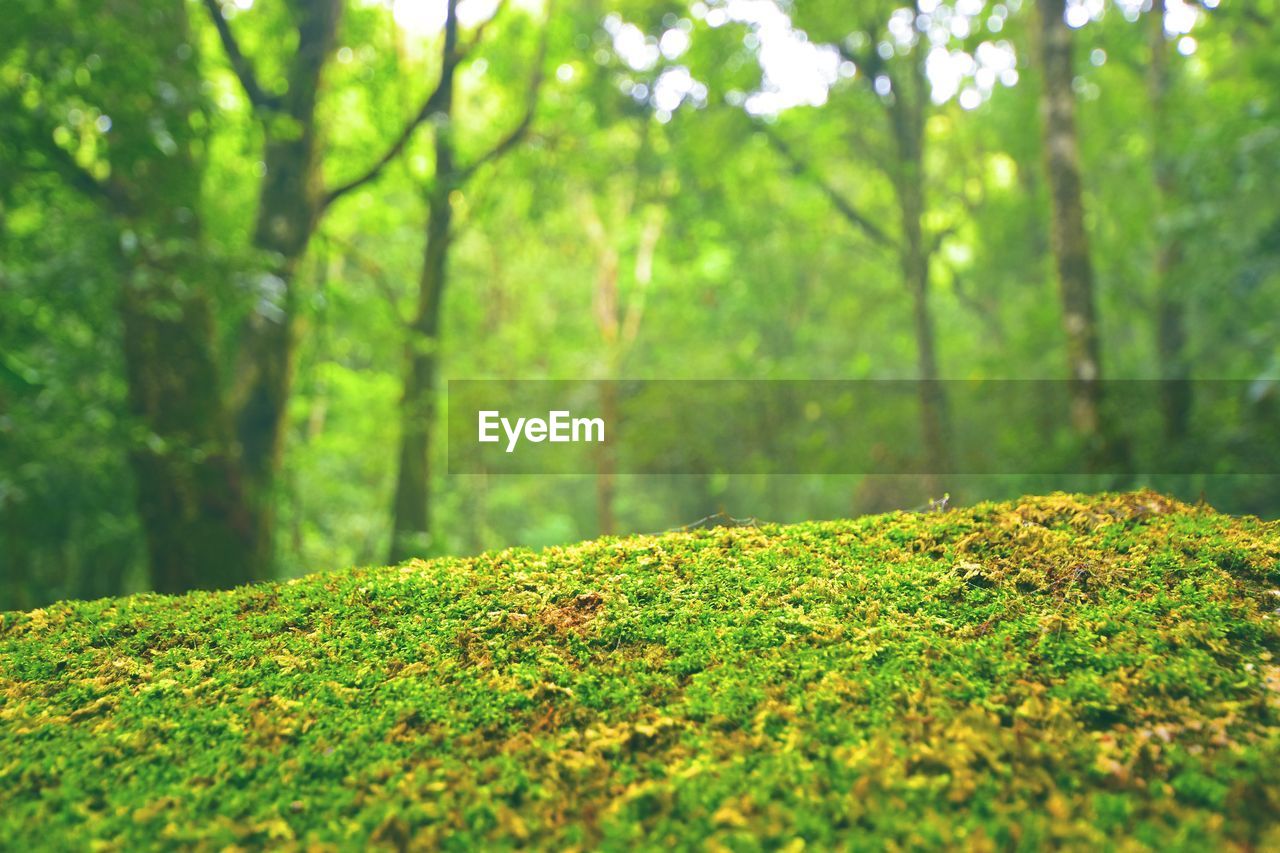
(1095,672)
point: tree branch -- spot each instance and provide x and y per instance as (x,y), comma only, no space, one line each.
(868,63)
(60,160)
(76,175)
(841,204)
(375,271)
(477,35)
(986,313)
(935,244)
(240,64)
(517,133)
(429,106)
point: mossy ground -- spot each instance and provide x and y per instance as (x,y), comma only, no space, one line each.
(1092,672)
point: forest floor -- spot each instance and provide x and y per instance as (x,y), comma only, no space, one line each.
(1086,671)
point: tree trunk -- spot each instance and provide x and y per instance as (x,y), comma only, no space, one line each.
(933,404)
(289,207)
(1171,325)
(190,491)
(605,302)
(607,462)
(411,509)
(1068,238)
(190,495)
(907,119)
(619,327)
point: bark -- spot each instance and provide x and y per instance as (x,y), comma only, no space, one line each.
(1068,238)
(190,492)
(906,113)
(411,506)
(1171,313)
(189,488)
(290,202)
(605,303)
(913,249)
(607,462)
(619,326)
(205,477)
(411,509)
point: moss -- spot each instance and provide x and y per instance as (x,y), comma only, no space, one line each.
(1092,672)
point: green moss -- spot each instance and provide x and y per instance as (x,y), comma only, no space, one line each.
(1084,671)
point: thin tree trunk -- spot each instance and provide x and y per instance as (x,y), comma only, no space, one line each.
(619,327)
(605,301)
(1068,238)
(411,508)
(915,270)
(1171,321)
(289,207)
(607,463)
(907,118)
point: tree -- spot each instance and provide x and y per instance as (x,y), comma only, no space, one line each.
(291,201)
(901,89)
(1170,319)
(411,506)
(1068,237)
(207,472)
(190,489)
(619,311)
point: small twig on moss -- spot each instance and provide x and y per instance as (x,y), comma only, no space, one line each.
(749,521)
(933,504)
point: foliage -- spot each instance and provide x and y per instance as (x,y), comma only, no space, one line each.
(1063,670)
(753,272)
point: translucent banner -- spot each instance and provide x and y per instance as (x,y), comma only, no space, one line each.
(970,427)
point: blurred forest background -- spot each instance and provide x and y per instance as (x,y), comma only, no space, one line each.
(244,244)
